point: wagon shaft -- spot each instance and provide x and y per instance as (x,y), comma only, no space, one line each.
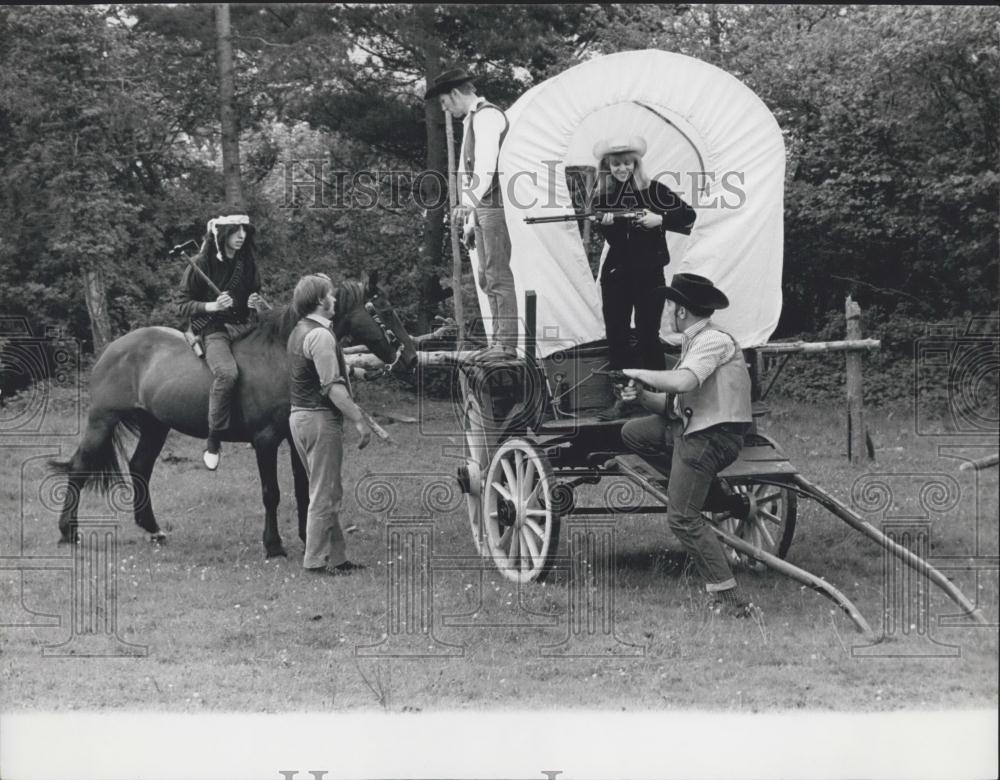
(637,470)
(810,490)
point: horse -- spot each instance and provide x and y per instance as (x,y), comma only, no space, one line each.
(149,382)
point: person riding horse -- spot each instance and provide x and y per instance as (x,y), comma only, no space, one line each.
(218,302)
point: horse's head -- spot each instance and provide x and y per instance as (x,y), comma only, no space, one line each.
(366,315)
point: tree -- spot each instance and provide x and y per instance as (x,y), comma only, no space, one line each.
(92,117)
(227,111)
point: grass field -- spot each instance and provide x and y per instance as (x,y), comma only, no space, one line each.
(226,630)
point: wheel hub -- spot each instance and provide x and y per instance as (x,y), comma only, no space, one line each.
(506,512)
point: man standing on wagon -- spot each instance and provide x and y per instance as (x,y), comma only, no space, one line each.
(702,413)
(480,209)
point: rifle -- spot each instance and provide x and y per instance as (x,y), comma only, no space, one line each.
(181,250)
(591,216)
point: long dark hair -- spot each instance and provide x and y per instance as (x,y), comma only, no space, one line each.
(247,252)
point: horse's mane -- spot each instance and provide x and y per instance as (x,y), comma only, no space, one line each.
(277,324)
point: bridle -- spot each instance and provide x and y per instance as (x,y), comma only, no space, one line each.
(388,331)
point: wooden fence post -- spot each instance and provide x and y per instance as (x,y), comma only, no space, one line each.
(855,386)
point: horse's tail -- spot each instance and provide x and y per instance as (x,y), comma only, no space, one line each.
(101,464)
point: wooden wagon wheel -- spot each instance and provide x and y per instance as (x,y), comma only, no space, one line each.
(521,522)
(770,524)
(477,459)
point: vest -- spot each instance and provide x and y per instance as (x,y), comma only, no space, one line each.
(305,387)
(723,397)
(492,197)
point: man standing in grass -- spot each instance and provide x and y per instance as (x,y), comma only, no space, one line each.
(702,413)
(321,398)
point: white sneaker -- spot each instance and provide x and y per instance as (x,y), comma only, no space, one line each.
(211,460)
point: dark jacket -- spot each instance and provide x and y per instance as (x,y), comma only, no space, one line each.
(632,246)
(239,282)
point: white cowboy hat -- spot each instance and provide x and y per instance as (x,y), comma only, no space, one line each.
(620,145)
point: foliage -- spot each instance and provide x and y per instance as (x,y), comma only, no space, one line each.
(891,123)
(109,138)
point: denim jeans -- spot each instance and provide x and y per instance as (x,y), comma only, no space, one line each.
(694,462)
(493,251)
(219,357)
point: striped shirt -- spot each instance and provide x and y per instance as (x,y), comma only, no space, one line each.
(702,356)
(320,346)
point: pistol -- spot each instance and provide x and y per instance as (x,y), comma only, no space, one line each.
(619,379)
(617,375)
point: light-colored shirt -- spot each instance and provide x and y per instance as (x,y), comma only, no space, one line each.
(489,126)
(703,356)
(320,346)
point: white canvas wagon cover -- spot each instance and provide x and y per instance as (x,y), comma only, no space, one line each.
(710,139)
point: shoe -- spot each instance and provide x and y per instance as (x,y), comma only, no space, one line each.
(347,567)
(344,569)
(732,603)
(212,453)
(740,506)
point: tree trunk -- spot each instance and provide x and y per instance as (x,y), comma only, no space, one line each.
(95,295)
(433,187)
(227,110)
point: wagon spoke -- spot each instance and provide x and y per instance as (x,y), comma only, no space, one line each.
(505,539)
(764,533)
(769,516)
(508,472)
(528,522)
(515,548)
(536,554)
(532,512)
(499,488)
(529,477)
(768,498)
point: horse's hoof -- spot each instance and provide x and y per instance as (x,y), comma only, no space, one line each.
(279,553)
(158,538)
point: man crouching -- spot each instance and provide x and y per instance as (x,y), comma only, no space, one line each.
(702,413)
(321,398)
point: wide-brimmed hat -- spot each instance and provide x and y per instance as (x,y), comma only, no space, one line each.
(446,81)
(694,292)
(620,145)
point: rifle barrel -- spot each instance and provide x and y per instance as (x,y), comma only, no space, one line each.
(592,216)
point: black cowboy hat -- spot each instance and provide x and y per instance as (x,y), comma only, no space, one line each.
(695,293)
(446,81)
